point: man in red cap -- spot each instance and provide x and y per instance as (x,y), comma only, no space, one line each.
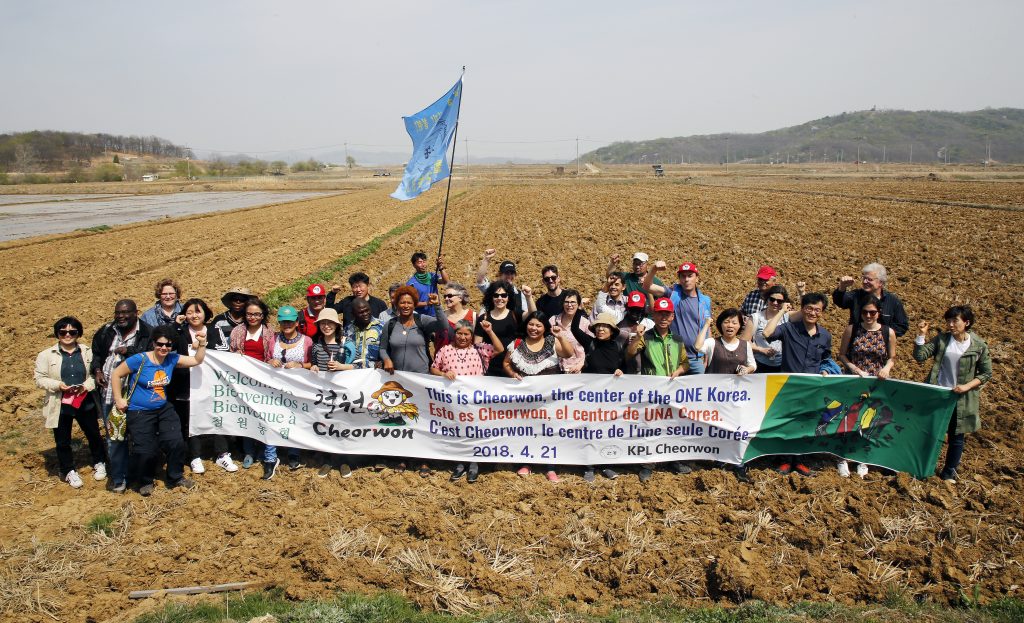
(692,307)
(756,299)
(316,300)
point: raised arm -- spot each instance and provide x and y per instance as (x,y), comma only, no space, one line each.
(773,322)
(563,347)
(613,265)
(648,284)
(485,265)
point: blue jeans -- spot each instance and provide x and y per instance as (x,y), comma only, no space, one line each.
(954,449)
(117,453)
(270,453)
(696,366)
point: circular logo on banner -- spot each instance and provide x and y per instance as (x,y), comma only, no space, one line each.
(611,452)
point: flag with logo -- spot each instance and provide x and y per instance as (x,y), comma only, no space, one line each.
(431,131)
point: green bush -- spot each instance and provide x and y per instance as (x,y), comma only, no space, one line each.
(102,523)
(107,173)
(35,178)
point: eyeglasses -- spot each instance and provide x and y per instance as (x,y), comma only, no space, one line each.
(163,344)
(252,315)
(869,312)
(813,311)
(551,278)
(777,301)
(68,332)
(570,302)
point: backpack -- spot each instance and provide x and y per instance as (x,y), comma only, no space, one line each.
(428,336)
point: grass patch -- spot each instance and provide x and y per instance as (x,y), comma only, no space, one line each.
(102,523)
(297,289)
(96,228)
(392,608)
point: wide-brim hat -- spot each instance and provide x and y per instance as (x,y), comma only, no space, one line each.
(391,386)
(609,321)
(328,313)
(226,299)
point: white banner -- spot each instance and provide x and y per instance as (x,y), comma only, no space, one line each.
(568,419)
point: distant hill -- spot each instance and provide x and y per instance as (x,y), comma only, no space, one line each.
(936,136)
(40,151)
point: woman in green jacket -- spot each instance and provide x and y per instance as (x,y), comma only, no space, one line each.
(961,363)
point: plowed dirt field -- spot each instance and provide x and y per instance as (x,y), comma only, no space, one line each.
(505,540)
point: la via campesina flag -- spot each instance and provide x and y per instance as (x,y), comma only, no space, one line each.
(431,131)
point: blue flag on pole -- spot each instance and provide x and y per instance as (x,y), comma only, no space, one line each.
(431,131)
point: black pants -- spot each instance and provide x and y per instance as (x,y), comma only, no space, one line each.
(152,431)
(195,443)
(85,415)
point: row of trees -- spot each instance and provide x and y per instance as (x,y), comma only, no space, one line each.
(42,151)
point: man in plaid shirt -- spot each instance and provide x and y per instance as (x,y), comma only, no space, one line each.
(755,299)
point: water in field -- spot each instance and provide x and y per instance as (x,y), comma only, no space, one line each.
(22,216)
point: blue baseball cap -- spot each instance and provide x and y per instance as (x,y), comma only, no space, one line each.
(286,313)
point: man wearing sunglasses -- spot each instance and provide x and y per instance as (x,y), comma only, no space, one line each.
(551,302)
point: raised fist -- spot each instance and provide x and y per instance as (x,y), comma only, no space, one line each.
(489,254)
(845,282)
(660,265)
(923,326)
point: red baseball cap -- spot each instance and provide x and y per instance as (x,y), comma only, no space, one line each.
(636,299)
(665,303)
(766,272)
(688,267)
(315,289)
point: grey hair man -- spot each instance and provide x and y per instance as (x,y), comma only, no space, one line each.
(874,278)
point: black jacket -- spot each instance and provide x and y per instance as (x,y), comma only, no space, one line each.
(891,307)
(105,337)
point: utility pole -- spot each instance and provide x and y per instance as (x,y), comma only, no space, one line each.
(911,153)
(883,154)
(727,154)
(577,157)
(466,141)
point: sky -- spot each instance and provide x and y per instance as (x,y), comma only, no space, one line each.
(265,77)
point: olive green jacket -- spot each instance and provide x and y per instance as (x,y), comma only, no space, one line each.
(976,363)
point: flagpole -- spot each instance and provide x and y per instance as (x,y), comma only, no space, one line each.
(451,170)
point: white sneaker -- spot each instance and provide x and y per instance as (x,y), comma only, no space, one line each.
(197,466)
(862,470)
(844,469)
(73,479)
(99,471)
(226,463)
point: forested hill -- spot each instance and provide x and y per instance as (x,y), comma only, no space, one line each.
(887,135)
(51,151)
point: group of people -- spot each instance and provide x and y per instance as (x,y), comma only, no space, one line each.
(637,324)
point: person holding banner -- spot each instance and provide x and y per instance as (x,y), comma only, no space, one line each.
(662,353)
(806,345)
(692,307)
(362,337)
(604,355)
(152,422)
(405,343)
(961,362)
(728,354)
(253,339)
(464,358)
(291,349)
(64,371)
(197,314)
(537,353)
(329,356)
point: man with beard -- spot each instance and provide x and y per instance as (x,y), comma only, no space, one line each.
(550,303)
(113,343)
(222,324)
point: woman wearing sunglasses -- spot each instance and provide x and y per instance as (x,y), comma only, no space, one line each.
(63,370)
(152,422)
(504,322)
(456,301)
(767,354)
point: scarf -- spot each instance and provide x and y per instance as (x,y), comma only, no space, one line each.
(422,278)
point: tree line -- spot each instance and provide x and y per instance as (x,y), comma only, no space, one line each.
(41,151)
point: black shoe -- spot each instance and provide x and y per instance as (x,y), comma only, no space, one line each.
(609,473)
(681,468)
(184,483)
(146,490)
(741,473)
(474,472)
(270,468)
(458,472)
(645,474)
(294,465)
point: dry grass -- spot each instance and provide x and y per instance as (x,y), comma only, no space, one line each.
(640,539)
(35,576)
(349,543)
(447,591)
(582,539)
(762,521)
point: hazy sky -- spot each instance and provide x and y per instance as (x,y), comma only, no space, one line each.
(260,77)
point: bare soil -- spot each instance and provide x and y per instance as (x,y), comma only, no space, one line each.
(506,540)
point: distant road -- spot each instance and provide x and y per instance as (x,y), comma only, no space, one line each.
(22,216)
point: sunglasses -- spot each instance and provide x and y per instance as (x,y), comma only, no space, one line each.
(68,332)
(450,296)
(777,301)
(163,344)
(869,312)
(551,278)
(500,295)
